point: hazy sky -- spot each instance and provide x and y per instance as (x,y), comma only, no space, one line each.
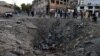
(18,2)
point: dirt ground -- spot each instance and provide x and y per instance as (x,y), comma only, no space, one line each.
(17,37)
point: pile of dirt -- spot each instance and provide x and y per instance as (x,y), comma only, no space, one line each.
(16,38)
(47,37)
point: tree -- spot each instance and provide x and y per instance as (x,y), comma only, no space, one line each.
(23,7)
(28,7)
(17,8)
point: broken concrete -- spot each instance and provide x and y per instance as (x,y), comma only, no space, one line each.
(46,37)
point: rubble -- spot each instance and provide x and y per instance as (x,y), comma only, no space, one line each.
(46,37)
(15,39)
(67,35)
(59,34)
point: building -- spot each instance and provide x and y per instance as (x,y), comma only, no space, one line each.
(73,3)
(5,7)
(63,4)
(40,5)
(80,2)
(49,5)
(89,5)
(57,4)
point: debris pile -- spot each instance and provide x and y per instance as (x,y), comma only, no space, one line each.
(15,39)
(48,37)
(60,34)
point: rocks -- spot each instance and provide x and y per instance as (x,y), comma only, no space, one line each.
(18,22)
(50,55)
(58,34)
(18,52)
(15,39)
(86,49)
(19,38)
(9,54)
(8,26)
(18,42)
(30,25)
(93,53)
(37,52)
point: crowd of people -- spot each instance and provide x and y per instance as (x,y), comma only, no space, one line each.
(89,16)
(74,14)
(84,15)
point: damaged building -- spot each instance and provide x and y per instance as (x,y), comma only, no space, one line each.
(46,6)
(5,7)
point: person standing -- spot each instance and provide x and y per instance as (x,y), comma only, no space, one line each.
(28,13)
(97,14)
(65,14)
(75,13)
(82,15)
(94,18)
(61,13)
(86,17)
(32,13)
(58,12)
(56,15)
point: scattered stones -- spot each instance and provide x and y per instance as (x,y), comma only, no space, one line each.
(50,55)
(18,22)
(16,39)
(38,52)
(9,54)
(12,36)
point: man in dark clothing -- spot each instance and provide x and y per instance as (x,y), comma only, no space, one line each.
(61,14)
(94,18)
(32,13)
(27,12)
(65,14)
(82,15)
(75,14)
